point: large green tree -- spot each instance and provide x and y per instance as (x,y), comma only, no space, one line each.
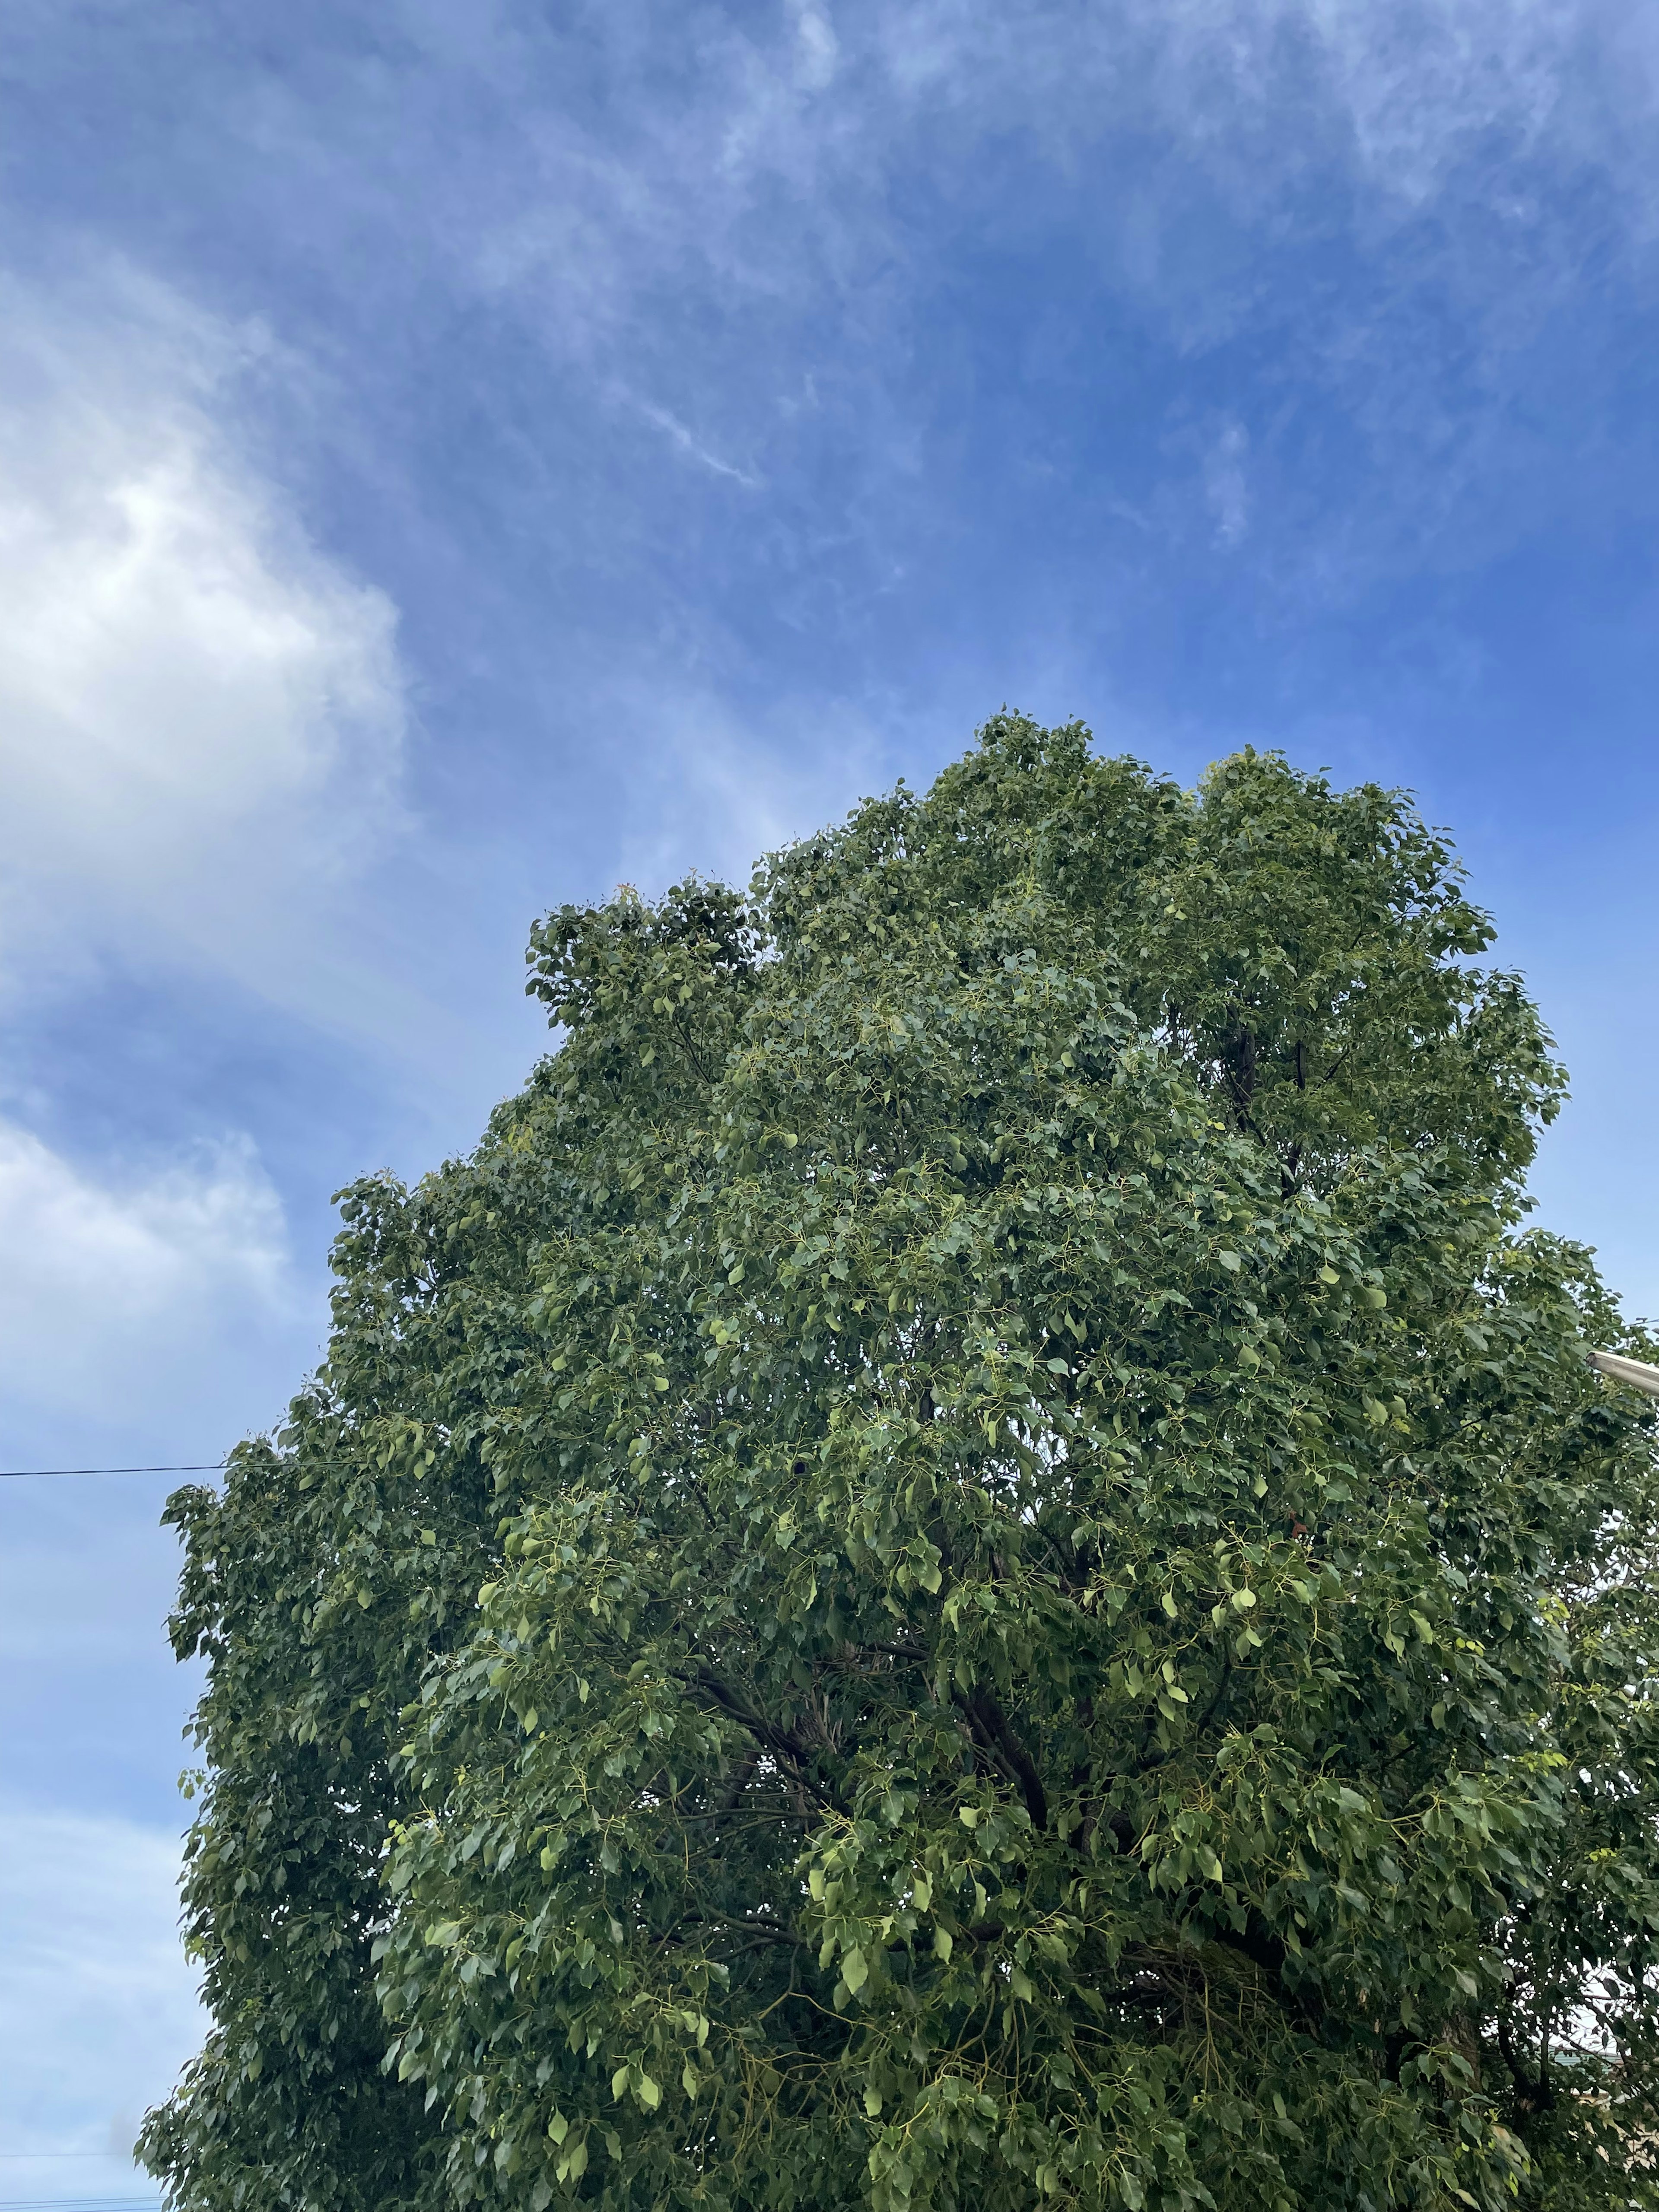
(971,1563)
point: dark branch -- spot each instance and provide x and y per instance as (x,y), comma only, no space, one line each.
(769,1737)
(989,1722)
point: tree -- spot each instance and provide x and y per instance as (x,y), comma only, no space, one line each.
(972,1562)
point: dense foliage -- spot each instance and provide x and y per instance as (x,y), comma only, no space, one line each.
(971,1564)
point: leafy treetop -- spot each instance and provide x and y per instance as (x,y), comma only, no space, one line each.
(970,1563)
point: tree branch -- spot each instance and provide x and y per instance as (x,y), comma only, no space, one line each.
(986,1715)
(769,1737)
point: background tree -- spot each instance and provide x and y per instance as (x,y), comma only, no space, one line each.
(969,1564)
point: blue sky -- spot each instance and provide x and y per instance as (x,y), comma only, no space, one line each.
(454,458)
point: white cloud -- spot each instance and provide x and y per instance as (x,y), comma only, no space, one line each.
(691,446)
(1467,157)
(200,712)
(1225,485)
(817,49)
(707,792)
(98,2009)
(1421,85)
(117,1298)
(1414,84)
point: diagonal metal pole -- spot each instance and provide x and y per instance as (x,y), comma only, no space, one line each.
(1620,1370)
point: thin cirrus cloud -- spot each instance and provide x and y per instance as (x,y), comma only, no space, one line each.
(711,795)
(778,248)
(88,1915)
(1405,94)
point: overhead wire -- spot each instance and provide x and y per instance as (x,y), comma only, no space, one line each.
(80,2204)
(202,1467)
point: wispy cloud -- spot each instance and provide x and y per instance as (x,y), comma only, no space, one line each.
(1225,485)
(201,714)
(98,2009)
(1455,161)
(692,446)
(710,790)
(122,1293)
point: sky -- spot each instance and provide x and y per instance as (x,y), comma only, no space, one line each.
(457,455)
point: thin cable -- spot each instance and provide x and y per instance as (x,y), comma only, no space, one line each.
(19,1474)
(80,2204)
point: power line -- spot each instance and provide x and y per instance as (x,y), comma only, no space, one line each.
(19,1474)
(79,2204)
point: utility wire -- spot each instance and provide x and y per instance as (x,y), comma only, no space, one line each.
(19,1474)
(80,2204)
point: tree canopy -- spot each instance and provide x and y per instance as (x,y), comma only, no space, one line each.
(971,1563)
